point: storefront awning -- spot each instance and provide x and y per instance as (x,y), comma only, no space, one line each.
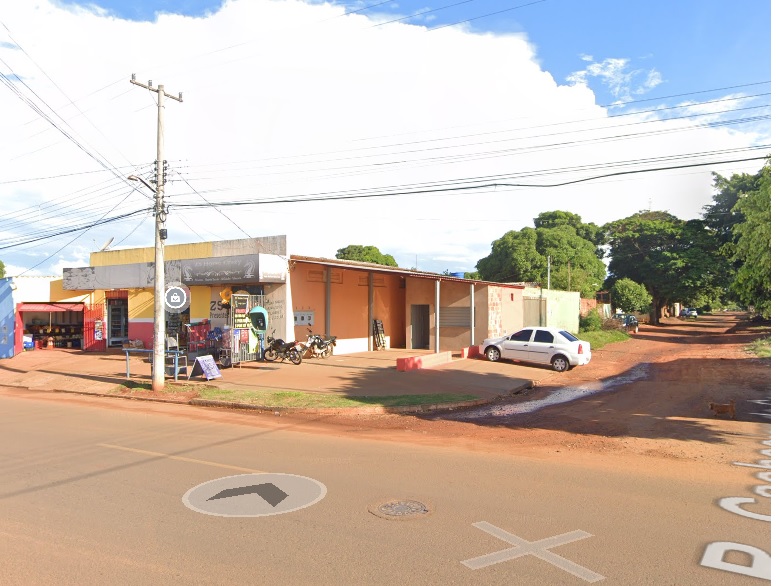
(50,307)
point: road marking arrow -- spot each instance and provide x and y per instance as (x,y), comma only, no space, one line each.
(268,491)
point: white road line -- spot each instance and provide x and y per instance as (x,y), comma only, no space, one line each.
(536,548)
(181,458)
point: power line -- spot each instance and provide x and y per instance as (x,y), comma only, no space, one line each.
(436,28)
(534,136)
(422,12)
(452,188)
(212,205)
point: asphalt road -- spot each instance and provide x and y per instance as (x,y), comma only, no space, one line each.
(93,493)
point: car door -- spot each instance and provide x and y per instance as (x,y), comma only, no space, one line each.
(516,346)
(541,348)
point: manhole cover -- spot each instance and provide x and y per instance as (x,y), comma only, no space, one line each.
(400,509)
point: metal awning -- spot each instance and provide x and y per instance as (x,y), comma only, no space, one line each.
(50,307)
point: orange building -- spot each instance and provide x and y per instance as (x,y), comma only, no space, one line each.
(365,305)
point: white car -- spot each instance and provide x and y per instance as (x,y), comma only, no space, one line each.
(558,348)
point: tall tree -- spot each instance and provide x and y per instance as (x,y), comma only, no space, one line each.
(675,260)
(2,270)
(365,254)
(522,256)
(643,248)
(721,216)
(513,257)
(752,248)
(573,260)
(588,231)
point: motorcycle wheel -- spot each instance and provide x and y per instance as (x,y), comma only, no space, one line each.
(328,351)
(270,355)
(294,356)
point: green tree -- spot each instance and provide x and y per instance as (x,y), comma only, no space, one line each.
(752,247)
(513,257)
(522,256)
(630,296)
(574,262)
(588,231)
(722,215)
(2,270)
(675,260)
(365,254)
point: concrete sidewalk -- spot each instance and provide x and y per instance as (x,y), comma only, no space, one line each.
(367,374)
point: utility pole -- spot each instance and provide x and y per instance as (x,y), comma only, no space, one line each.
(157,370)
(548,273)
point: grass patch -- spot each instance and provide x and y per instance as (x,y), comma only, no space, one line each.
(170,388)
(760,348)
(298,399)
(600,338)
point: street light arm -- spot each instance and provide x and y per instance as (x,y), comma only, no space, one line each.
(143,181)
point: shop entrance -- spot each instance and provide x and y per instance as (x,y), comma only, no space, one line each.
(52,325)
(117,322)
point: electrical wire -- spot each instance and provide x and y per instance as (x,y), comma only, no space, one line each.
(421,13)
(470,144)
(454,188)
(212,205)
(436,28)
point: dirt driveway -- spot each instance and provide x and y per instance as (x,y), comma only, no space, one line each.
(649,395)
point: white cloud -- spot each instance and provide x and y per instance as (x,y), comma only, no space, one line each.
(622,81)
(283,99)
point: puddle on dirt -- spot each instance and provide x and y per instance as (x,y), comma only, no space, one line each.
(563,395)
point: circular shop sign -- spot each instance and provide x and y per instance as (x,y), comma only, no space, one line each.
(177,298)
(254,495)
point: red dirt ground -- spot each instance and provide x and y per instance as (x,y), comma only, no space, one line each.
(684,365)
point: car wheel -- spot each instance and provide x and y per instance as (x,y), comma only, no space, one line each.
(559,363)
(493,354)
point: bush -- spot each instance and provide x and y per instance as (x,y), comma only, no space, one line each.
(590,323)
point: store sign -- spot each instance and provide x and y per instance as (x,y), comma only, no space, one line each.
(226,269)
(98,329)
(205,366)
(245,268)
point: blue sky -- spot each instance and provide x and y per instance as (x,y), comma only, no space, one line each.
(456,134)
(695,44)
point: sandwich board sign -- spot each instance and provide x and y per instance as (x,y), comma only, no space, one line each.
(206,366)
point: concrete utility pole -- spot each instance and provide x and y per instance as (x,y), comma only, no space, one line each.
(157,371)
(548,272)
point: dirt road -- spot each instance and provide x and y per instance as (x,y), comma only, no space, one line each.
(656,488)
(649,395)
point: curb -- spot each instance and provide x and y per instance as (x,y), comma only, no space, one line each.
(301,410)
(351,410)
(289,410)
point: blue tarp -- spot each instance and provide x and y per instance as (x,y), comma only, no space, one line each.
(7,319)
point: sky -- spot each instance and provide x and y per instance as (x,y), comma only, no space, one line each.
(428,129)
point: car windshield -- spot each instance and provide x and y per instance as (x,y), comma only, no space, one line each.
(569,336)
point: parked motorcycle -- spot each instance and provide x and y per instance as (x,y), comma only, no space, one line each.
(278,348)
(318,346)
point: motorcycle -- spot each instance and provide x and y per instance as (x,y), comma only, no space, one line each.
(318,346)
(278,348)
